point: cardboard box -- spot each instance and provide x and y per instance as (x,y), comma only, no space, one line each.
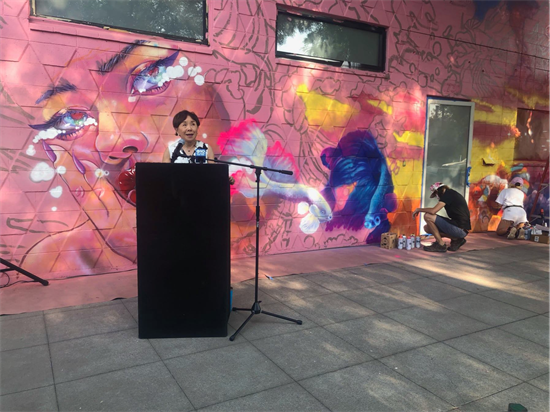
(388,240)
(541,239)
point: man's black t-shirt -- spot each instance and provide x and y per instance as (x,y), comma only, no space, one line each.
(457,208)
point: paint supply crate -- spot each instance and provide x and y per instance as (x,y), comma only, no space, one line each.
(388,240)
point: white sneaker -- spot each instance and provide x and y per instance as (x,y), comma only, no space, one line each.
(512,234)
(521,235)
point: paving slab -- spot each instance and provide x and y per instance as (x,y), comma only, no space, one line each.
(510,353)
(541,382)
(429,289)
(143,388)
(371,387)
(88,356)
(22,332)
(310,352)
(243,295)
(379,336)
(289,287)
(70,324)
(286,398)
(384,274)
(338,280)
(487,310)
(532,398)
(437,321)
(262,325)
(534,329)
(530,296)
(41,399)
(327,309)
(383,298)
(24,369)
(450,374)
(226,373)
(171,348)
(467,281)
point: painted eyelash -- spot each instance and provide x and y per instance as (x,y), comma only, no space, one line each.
(143,75)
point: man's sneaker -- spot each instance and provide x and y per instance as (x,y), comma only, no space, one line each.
(521,234)
(456,244)
(436,247)
(512,234)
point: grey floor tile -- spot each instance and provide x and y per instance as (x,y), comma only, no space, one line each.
(429,289)
(21,315)
(142,388)
(338,280)
(379,336)
(132,306)
(384,274)
(450,374)
(424,267)
(371,387)
(289,287)
(537,267)
(327,309)
(42,399)
(83,357)
(287,398)
(530,296)
(171,348)
(22,332)
(314,351)
(467,281)
(533,399)
(86,306)
(243,295)
(487,310)
(383,298)
(509,353)
(23,369)
(227,373)
(534,329)
(85,322)
(262,325)
(437,321)
(541,382)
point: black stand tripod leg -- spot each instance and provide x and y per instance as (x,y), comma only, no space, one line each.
(232,338)
(11,266)
(298,321)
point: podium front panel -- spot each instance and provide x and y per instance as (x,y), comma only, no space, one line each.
(183,235)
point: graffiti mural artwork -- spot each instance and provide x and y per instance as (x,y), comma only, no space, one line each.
(81,105)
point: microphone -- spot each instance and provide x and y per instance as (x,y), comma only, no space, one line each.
(200,155)
(176,153)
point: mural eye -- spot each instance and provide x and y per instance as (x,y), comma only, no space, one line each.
(67,124)
(152,78)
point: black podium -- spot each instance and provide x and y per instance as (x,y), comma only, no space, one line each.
(183,235)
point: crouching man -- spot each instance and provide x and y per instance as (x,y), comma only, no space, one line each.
(513,215)
(456,228)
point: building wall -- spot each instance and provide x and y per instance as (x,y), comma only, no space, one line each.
(354,139)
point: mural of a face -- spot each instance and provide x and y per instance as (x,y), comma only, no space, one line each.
(104,113)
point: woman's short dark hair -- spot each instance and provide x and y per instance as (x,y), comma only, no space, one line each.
(180,117)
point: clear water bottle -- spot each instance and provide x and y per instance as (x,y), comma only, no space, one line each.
(418,244)
(528,233)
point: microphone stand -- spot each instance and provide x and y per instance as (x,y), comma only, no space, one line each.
(256,308)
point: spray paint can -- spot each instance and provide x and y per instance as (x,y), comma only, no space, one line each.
(399,242)
(409,243)
(418,244)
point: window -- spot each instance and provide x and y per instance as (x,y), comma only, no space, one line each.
(329,41)
(176,19)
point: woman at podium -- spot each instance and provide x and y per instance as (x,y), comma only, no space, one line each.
(187,149)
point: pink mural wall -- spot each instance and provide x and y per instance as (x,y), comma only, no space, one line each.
(80,105)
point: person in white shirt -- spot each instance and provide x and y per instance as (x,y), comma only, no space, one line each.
(513,215)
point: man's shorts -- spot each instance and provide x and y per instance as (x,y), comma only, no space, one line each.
(515,214)
(444,225)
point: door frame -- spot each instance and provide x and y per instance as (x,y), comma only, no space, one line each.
(450,102)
